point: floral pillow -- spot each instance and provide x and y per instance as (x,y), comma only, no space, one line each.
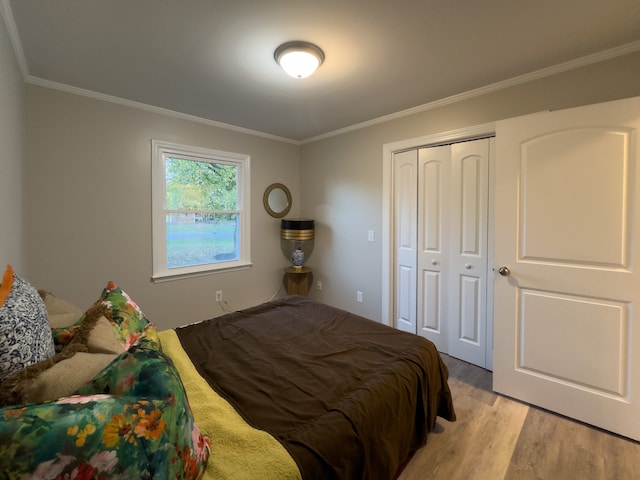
(125,315)
(25,335)
(132,421)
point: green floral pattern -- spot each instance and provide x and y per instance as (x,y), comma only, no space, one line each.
(133,420)
(127,318)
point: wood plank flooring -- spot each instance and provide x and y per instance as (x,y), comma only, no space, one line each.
(498,438)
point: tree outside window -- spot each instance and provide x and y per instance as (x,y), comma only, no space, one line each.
(200,210)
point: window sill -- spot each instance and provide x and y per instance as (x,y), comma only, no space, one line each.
(169,277)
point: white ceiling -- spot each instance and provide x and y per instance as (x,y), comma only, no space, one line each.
(214,58)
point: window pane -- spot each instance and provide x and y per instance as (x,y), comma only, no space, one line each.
(200,210)
(197,239)
(194,185)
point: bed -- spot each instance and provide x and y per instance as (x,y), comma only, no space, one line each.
(347,397)
(288,389)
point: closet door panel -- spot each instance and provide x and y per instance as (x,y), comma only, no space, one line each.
(431,304)
(405,240)
(434,165)
(470,204)
(468,328)
(468,259)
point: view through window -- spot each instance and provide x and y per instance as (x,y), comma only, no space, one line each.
(199,210)
(202,212)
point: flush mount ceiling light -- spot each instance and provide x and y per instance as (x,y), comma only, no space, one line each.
(299,59)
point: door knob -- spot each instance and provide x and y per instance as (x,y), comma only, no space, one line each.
(504,271)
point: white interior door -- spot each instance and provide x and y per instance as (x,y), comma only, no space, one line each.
(566,226)
(405,171)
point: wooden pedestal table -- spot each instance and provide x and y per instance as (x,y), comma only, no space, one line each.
(297,280)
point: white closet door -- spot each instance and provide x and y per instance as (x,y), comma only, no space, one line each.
(567,200)
(405,173)
(433,243)
(440,225)
(468,251)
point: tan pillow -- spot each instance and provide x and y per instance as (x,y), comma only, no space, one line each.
(93,347)
(60,312)
(102,338)
(66,376)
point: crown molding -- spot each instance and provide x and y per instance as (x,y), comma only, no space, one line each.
(519,80)
(153,109)
(12,30)
(7,15)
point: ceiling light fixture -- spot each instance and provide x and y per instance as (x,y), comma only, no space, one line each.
(299,59)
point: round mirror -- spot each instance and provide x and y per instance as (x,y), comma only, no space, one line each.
(277,200)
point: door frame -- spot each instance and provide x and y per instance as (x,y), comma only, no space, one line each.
(388,257)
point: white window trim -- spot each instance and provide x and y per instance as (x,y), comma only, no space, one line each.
(160,152)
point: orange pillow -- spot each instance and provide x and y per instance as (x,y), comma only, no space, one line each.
(7,283)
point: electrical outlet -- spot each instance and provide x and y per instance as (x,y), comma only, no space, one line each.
(218,295)
(371,236)
(319,284)
(359,296)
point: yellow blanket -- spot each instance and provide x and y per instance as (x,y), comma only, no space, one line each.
(238,451)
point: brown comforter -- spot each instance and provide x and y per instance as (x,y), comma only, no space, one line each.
(347,397)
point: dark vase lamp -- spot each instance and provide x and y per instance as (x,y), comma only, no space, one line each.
(297,231)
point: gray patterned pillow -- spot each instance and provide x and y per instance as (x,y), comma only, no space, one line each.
(25,334)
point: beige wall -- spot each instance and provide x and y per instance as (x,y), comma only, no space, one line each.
(341,177)
(12,134)
(87,211)
(88,205)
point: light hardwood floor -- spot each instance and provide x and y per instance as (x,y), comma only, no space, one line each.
(498,438)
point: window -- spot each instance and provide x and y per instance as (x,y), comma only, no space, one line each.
(200,210)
